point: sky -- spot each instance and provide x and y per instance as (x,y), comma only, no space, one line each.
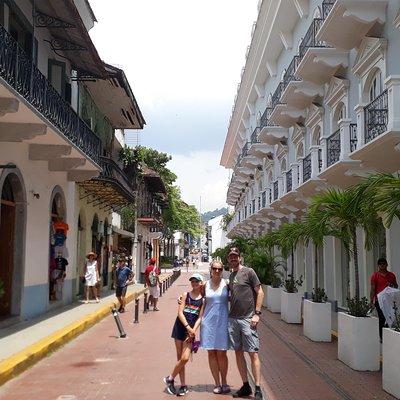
(183,59)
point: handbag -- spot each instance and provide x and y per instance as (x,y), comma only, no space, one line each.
(83,279)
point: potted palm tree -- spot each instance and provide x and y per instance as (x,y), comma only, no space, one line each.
(391,356)
(341,212)
(291,300)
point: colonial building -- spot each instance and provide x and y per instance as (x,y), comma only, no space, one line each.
(317,106)
(60,181)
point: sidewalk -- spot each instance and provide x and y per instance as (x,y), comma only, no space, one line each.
(99,365)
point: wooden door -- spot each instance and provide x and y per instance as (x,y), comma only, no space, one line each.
(7,223)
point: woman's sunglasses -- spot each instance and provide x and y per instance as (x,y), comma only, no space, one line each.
(216,269)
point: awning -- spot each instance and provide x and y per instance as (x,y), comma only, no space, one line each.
(116,100)
(122,232)
(72,39)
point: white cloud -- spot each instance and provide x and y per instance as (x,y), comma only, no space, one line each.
(199,174)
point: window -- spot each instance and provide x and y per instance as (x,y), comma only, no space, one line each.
(376,86)
(56,75)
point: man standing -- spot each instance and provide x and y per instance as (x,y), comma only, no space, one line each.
(246,298)
(124,277)
(379,281)
(152,281)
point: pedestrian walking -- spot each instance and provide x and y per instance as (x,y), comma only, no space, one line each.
(190,311)
(379,281)
(214,327)
(124,277)
(246,298)
(91,276)
(152,281)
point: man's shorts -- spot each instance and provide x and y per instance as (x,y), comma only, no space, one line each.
(121,291)
(154,292)
(242,336)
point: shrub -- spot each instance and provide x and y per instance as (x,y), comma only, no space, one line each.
(358,307)
(292,285)
(319,295)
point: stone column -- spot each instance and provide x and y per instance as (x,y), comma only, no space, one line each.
(314,162)
(344,126)
(359,109)
(393,87)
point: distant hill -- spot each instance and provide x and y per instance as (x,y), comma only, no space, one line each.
(205,217)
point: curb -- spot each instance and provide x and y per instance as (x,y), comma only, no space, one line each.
(19,362)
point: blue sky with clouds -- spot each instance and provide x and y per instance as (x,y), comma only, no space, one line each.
(183,59)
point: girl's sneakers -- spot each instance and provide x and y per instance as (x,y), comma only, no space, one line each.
(183,390)
(170,385)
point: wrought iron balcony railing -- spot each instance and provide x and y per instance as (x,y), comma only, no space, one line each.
(258,203)
(376,117)
(245,149)
(17,69)
(113,173)
(319,160)
(310,40)
(245,212)
(307,168)
(289,181)
(353,137)
(269,196)
(333,148)
(253,205)
(264,199)
(290,73)
(276,97)
(265,117)
(254,136)
(327,6)
(276,190)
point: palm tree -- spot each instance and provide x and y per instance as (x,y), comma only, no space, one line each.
(340,212)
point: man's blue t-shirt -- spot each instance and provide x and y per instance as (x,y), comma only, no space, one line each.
(123,274)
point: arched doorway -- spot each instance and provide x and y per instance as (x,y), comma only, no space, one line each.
(58,249)
(12,243)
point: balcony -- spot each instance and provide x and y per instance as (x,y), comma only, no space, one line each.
(347,22)
(258,149)
(306,168)
(271,133)
(41,115)
(289,183)
(276,190)
(378,130)
(333,148)
(318,60)
(112,188)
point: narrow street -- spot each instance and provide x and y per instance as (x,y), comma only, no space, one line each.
(102,366)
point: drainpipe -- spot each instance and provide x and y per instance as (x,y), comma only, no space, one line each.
(135,241)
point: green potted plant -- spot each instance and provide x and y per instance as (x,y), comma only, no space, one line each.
(317,316)
(291,300)
(391,356)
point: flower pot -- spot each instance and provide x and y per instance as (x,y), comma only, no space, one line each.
(291,307)
(274,299)
(358,342)
(317,321)
(264,288)
(391,362)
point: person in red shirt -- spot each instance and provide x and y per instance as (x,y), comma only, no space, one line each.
(151,274)
(379,281)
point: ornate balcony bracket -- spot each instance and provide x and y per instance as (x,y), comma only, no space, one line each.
(43,20)
(58,44)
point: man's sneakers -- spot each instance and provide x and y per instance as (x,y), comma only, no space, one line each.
(182,391)
(170,385)
(258,394)
(244,391)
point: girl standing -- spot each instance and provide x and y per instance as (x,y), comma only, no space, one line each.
(91,276)
(184,332)
(214,327)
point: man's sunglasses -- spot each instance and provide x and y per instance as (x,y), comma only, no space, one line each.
(216,269)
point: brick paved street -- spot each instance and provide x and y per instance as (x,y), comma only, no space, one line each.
(98,365)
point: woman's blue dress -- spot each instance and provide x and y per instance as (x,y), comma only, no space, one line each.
(214,324)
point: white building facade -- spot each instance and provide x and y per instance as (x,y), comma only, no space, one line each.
(318,106)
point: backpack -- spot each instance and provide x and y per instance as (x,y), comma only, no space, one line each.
(153,277)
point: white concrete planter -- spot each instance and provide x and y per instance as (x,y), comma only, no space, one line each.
(317,321)
(358,342)
(391,362)
(274,299)
(265,288)
(291,307)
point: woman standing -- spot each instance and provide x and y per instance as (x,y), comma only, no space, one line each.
(214,327)
(91,276)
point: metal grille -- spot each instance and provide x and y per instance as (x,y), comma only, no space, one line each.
(276,97)
(18,71)
(310,39)
(254,136)
(333,148)
(264,199)
(253,205)
(276,192)
(269,196)
(265,117)
(245,150)
(290,74)
(327,6)
(288,181)
(307,168)
(353,137)
(376,117)
(319,160)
